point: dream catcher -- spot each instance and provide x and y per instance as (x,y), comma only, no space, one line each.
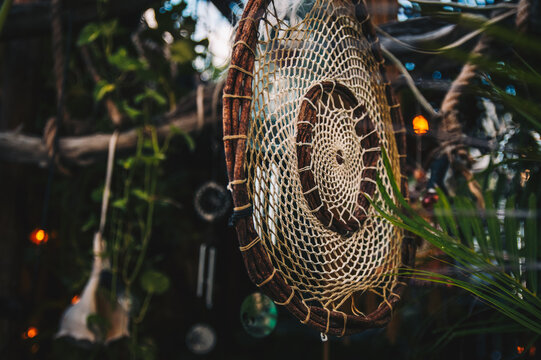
(307,109)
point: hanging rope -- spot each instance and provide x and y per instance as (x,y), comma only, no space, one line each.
(58,53)
(61,62)
(410,82)
(450,131)
(108,176)
(450,128)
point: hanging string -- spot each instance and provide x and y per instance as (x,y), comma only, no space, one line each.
(108,176)
(410,82)
(57,53)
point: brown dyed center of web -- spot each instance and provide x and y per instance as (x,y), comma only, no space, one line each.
(337,153)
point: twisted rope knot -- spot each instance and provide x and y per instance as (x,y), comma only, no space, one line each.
(50,139)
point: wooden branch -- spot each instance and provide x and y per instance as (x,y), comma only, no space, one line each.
(87,150)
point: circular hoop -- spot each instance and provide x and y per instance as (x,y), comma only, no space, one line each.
(237,101)
(211,201)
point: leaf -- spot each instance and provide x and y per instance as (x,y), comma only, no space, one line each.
(146,352)
(449,218)
(151,94)
(127,163)
(120,203)
(141,194)
(462,217)
(155,282)
(122,61)
(4,11)
(493,225)
(88,34)
(90,223)
(530,243)
(486,281)
(97,194)
(182,51)
(510,227)
(97,324)
(131,112)
(189,140)
(441,216)
(109,28)
(102,88)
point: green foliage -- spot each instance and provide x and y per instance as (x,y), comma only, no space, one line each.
(189,140)
(154,282)
(92,31)
(88,34)
(98,325)
(150,94)
(182,51)
(143,75)
(132,68)
(130,112)
(4,11)
(471,245)
(123,62)
(102,89)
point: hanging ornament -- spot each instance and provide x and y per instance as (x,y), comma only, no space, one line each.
(258,315)
(211,201)
(209,281)
(201,339)
(74,322)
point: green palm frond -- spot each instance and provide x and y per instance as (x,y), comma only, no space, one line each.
(504,277)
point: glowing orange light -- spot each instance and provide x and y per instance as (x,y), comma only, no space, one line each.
(520,349)
(39,236)
(420,125)
(30,333)
(75,299)
(532,351)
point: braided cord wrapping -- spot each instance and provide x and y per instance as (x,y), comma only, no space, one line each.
(302,133)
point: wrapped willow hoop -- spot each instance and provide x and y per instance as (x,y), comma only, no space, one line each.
(307,108)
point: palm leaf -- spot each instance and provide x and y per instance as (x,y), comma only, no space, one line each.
(482,273)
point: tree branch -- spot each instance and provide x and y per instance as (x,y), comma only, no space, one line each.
(87,150)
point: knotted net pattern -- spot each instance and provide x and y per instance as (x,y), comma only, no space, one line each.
(319,48)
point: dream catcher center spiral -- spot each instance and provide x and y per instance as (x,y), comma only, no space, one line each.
(337,151)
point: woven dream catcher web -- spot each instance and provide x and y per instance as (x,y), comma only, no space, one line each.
(307,109)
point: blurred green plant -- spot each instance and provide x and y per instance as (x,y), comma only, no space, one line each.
(501,272)
(143,73)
